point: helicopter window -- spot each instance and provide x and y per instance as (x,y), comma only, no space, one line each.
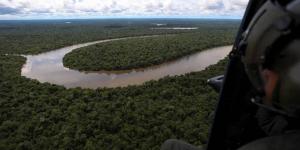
(124,74)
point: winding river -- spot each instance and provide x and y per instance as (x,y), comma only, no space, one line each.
(48,67)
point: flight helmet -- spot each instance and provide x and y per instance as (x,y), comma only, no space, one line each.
(272,41)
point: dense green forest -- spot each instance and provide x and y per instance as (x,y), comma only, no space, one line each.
(32,37)
(38,115)
(45,116)
(142,52)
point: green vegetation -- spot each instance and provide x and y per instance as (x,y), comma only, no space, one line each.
(36,115)
(32,37)
(142,52)
(45,116)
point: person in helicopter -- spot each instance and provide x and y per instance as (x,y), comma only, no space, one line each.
(270,49)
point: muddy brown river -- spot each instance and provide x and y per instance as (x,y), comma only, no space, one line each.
(48,67)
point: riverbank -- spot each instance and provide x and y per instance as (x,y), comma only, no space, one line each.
(48,67)
(144,52)
(36,115)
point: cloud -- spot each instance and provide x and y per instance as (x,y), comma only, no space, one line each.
(99,8)
(8,10)
(214,5)
(223,7)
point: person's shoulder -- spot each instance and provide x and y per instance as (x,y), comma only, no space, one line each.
(288,141)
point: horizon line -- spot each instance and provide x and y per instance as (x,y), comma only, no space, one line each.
(104,18)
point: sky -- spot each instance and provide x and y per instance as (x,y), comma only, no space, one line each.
(81,9)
